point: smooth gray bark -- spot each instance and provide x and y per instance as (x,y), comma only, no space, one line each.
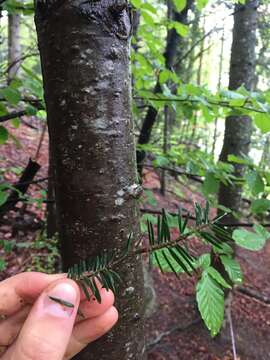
(84,49)
(238,129)
(14,45)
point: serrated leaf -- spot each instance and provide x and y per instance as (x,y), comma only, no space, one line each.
(218,277)
(180,4)
(233,269)
(13,96)
(255,182)
(210,300)
(259,206)
(239,160)
(262,121)
(180,28)
(210,184)
(204,261)
(261,230)
(248,240)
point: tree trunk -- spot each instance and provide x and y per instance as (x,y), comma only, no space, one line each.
(84,49)
(238,129)
(220,69)
(51,205)
(173,40)
(14,46)
(165,149)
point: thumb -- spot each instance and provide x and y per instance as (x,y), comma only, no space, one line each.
(47,330)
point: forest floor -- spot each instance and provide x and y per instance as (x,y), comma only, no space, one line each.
(173,331)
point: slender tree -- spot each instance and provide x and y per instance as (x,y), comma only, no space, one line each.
(173,40)
(14,45)
(220,68)
(238,129)
(84,49)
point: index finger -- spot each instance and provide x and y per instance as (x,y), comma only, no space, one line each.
(23,288)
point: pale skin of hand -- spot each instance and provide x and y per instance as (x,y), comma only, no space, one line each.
(33,327)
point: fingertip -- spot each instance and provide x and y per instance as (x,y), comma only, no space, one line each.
(103,292)
(114,315)
(93,308)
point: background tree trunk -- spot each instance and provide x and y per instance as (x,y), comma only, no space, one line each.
(84,50)
(238,129)
(220,69)
(173,39)
(14,45)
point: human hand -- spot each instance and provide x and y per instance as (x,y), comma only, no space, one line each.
(33,327)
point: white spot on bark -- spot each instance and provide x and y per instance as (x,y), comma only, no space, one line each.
(134,190)
(119,201)
(129,291)
(100,124)
(121,193)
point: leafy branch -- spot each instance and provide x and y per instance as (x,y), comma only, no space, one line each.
(163,251)
(221,103)
(172,255)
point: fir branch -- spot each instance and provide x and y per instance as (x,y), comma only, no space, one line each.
(102,266)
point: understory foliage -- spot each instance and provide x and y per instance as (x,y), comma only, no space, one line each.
(172,254)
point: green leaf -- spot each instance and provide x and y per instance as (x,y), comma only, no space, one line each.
(204,261)
(223,248)
(13,96)
(150,198)
(136,3)
(255,182)
(31,110)
(7,245)
(261,230)
(149,7)
(16,122)
(237,102)
(210,300)
(160,161)
(239,160)
(210,184)
(259,206)
(144,219)
(173,265)
(3,265)
(218,277)
(262,121)
(180,4)
(233,269)
(164,76)
(180,28)
(201,4)
(3,109)
(3,135)
(148,18)
(249,240)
